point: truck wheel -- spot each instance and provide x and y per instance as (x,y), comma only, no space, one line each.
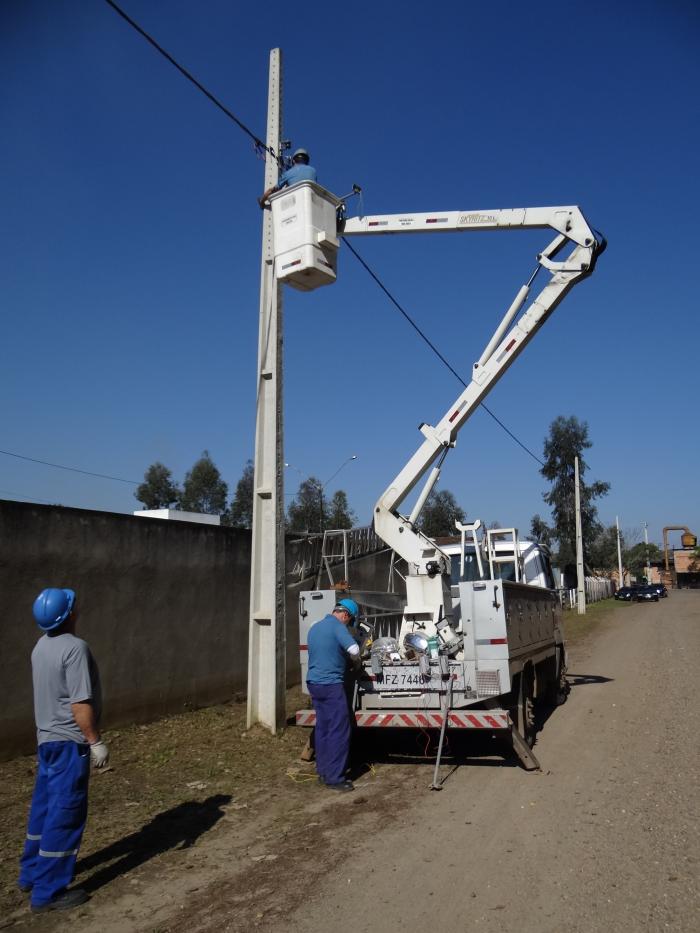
(558,686)
(525,707)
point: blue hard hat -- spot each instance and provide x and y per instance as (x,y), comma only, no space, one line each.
(52,607)
(349,605)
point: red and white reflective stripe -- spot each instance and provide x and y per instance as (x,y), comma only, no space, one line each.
(479,719)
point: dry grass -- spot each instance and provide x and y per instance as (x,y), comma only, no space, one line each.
(166,778)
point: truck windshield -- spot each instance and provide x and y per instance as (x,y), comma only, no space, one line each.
(471,568)
(504,571)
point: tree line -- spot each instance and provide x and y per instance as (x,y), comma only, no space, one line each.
(312,509)
(204,490)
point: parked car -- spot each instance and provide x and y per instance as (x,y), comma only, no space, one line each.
(645,594)
(625,592)
(660,589)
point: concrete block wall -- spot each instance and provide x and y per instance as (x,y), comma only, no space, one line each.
(163,605)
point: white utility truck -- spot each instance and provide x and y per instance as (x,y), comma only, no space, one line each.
(476,649)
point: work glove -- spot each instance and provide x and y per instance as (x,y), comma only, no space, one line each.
(99,754)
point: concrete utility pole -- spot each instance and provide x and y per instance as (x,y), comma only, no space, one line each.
(619,552)
(267,633)
(646,546)
(580,578)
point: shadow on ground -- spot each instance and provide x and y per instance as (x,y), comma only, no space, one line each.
(585,680)
(179,828)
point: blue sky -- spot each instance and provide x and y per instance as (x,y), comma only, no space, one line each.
(130,243)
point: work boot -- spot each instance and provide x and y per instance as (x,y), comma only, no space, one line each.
(342,786)
(73,898)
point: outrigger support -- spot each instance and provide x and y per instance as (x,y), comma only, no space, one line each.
(524,752)
(437,785)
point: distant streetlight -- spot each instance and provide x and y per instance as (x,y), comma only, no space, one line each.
(320,487)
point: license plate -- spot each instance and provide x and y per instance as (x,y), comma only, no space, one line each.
(409,677)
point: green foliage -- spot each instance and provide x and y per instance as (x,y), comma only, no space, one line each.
(568,438)
(307,509)
(602,551)
(340,515)
(203,489)
(540,531)
(158,491)
(439,514)
(694,565)
(240,512)
(634,559)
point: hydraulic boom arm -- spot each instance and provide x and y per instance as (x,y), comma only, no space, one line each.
(426,562)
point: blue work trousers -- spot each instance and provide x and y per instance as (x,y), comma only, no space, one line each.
(332,738)
(56,820)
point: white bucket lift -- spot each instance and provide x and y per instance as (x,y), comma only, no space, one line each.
(304,221)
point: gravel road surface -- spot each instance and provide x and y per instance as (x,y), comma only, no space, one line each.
(605,838)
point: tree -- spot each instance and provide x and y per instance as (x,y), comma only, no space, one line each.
(602,551)
(540,531)
(694,565)
(439,514)
(203,489)
(240,512)
(157,491)
(340,515)
(568,438)
(307,509)
(635,558)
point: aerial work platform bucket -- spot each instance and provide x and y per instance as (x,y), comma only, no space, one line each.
(304,221)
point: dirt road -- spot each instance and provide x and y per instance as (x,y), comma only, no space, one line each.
(605,838)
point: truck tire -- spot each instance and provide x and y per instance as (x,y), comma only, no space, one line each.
(559,686)
(523,712)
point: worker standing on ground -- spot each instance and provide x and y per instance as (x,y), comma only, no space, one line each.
(300,171)
(67,707)
(331,646)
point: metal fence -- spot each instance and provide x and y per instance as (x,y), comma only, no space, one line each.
(596,588)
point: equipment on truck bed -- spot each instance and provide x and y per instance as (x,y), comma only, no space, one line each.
(460,650)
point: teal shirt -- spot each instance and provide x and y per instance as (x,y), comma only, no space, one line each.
(328,644)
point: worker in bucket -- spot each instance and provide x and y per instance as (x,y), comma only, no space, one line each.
(67,706)
(300,171)
(331,647)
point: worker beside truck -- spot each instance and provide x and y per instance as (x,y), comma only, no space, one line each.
(330,648)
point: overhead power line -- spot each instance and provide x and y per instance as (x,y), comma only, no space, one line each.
(259,144)
(60,466)
(435,349)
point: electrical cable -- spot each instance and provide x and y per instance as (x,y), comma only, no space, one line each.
(435,349)
(59,466)
(259,144)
